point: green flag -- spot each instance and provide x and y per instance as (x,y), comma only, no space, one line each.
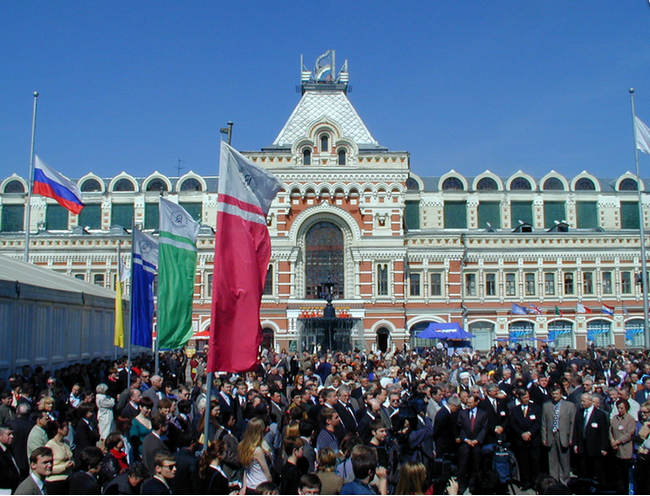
(176,271)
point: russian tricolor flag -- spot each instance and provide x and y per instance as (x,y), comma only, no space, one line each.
(50,183)
(607,309)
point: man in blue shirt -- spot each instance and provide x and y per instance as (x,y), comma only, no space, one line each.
(364,465)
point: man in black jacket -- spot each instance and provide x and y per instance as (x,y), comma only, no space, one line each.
(21,427)
(445,428)
(591,439)
(9,471)
(496,409)
(472,431)
(164,472)
(526,438)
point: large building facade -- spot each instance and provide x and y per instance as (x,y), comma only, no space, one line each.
(400,250)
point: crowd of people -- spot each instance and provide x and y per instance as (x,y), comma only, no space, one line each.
(403,422)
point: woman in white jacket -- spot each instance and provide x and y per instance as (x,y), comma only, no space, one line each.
(105,406)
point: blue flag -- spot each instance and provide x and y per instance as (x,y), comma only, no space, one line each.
(519,310)
(145,264)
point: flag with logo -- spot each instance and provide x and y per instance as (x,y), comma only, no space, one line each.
(519,310)
(607,309)
(123,275)
(145,264)
(580,308)
(176,274)
(241,257)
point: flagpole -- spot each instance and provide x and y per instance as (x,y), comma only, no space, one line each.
(129,346)
(30,180)
(644,265)
(119,277)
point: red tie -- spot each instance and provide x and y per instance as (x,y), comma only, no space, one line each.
(472,419)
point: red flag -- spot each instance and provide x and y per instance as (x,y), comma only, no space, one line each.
(241,257)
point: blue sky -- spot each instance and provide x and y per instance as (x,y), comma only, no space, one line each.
(466,85)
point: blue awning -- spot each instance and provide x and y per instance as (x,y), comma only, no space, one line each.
(443,330)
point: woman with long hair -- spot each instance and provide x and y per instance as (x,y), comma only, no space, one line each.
(62,458)
(412,478)
(141,426)
(214,425)
(254,454)
(211,478)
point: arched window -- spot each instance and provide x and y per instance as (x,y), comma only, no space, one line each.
(324,259)
(342,156)
(191,184)
(553,184)
(628,184)
(14,187)
(487,184)
(412,184)
(521,184)
(306,156)
(156,185)
(585,184)
(124,185)
(522,332)
(634,333)
(325,143)
(91,186)
(599,332)
(560,332)
(452,184)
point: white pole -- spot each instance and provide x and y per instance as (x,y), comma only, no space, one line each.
(30,179)
(644,265)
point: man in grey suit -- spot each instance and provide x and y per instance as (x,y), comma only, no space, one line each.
(558,417)
(40,464)
(155,392)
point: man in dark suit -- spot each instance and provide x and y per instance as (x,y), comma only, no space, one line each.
(9,471)
(506,383)
(153,443)
(86,433)
(525,427)
(85,481)
(558,417)
(164,471)
(358,393)
(132,408)
(591,439)
(226,401)
(539,391)
(496,409)
(445,428)
(472,431)
(21,427)
(345,411)
(186,462)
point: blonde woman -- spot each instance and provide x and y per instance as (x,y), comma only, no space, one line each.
(254,454)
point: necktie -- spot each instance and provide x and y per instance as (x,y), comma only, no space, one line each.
(584,430)
(525,411)
(472,419)
(556,417)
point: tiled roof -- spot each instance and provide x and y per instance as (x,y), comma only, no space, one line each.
(315,106)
